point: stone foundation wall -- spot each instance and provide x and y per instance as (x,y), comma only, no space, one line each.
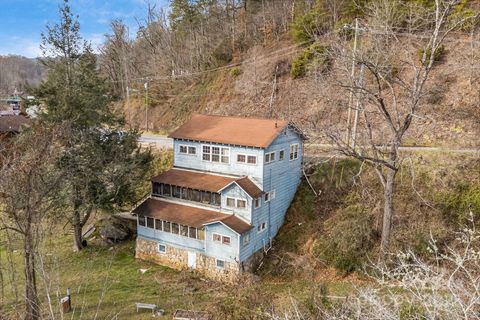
(178,259)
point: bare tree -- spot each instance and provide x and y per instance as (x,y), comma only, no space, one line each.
(391,94)
(27,194)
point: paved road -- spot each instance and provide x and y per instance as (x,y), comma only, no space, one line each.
(167,143)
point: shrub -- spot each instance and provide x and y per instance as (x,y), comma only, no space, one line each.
(315,55)
(409,311)
(307,27)
(235,72)
(437,57)
(348,238)
(459,202)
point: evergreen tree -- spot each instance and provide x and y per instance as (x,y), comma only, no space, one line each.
(103,165)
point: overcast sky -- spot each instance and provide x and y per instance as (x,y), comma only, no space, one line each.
(22,21)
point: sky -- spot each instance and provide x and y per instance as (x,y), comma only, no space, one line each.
(23,21)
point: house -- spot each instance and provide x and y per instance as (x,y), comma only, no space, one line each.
(219,207)
(11,125)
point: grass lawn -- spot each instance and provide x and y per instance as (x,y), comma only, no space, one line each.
(105,282)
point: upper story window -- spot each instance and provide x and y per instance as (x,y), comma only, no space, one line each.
(294,151)
(183,149)
(239,203)
(246,239)
(281,155)
(221,239)
(243,158)
(269,157)
(269,195)
(216,154)
(258,202)
(261,227)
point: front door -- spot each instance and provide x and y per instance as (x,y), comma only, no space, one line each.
(192,260)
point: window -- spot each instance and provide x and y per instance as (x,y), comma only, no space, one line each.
(187,149)
(150,222)
(269,157)
(242,158)
(246,239)
(158,224)
(269,195)
(226,240)
(281,155)
(167,226)
(258,202)
(206,153)
(294,151)
(184,230)
(216,154)
(231,202)
(175,228)
(220,264)
(192,232)
(141,221)
(261,226)
(216,237)
(241,204)
(201,234)
(162,248)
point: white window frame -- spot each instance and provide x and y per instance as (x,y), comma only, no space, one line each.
(263,227)
(257,202)
(188,153)
(160,251)
(213,238)
(229,240)
(246,239)
(246,155)
(294,151)
(267,194)
(220,155)
(269,155)
(234,202)
(279,153)
(216,263)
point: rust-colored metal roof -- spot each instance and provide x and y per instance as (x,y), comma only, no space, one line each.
(13,124)
(250,132)
(205,181)
(188,215)
(251,188)
(194,180)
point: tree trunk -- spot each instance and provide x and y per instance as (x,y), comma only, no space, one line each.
(77,230)
(31,297)
(388,209)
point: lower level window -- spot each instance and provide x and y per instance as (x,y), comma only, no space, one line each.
(162,248)
(220,264)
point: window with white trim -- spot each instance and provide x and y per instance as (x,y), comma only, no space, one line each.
(162,248)
(184,149)
(267,196)
(216,154)
(258,202)
(252,159)
(262,226)
(269,157)
(294,151)
(249,159)
(242,204)
(241,158)
(220,264)
(226,240)
(246,239)
(231,202)
(216,237)
(281,155)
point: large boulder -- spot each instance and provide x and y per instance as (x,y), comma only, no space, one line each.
(113,230)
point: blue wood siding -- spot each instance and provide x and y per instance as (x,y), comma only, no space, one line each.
(283,176)
(233,168)
(171,239)
(219,250)
(234,191)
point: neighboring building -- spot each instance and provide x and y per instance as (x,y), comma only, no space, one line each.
(218,209)
(11,125)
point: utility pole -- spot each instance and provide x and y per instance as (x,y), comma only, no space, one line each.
(146,104)
(352,74)
(128,106)
(357,107)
